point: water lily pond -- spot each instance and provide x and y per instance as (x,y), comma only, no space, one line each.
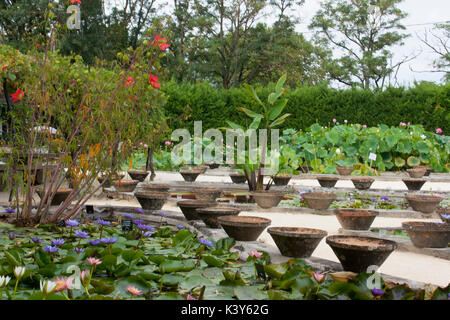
(106,260)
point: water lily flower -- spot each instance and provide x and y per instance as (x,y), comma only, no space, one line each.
(36,240)
(4,280)
(103,222)
(84,276)
(94,261)
(374,199)
(153,80)
(94,242)
(180,227)
(51,249)
(18,95)
(385,198)
(19,271)
(190,297)
(345,121)
(168,143)
(108,240)
(377,292)
(139,210)
(334,120)
(72,223)
(146,234)
(319,277)
(81,234)
(138,221)
(145,227)
(439,130)
(162,214)
(10,210)
(78,250)
(127,215)
(205,242)
(364,126)
(47,286)
(134,291)
(255,254)
(445,216)
(402,124)
(63,284)
(12,236)
(58,242)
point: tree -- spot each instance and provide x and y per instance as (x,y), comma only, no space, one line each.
(362,31)
(439,45)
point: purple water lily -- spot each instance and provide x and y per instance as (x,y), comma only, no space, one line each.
(94,242)
(12,236)
(374,199)
(127,215)
(10,210)
(103,222)
(377,292)
(385,198)
(146,234)
(139,210)
(138,221)
(58,242)
(51,249)
(72,223)
(36,240)
(145,227)
(81,234)
(78,250)
(162,214)
(108,240)
(180,227)
(205,242)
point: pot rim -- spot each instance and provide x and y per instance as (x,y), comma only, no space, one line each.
(139,171)
(426,226)
(328,178)
(267,193)
(414,180)
(365,179)
(218,210)
(386,245)
(424,198)
(356,212)
(290,232)
(195,203)
(151,194)
(127,182)
(234,221)
(319,195)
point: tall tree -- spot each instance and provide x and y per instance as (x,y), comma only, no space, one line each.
(361,32)
(438,42)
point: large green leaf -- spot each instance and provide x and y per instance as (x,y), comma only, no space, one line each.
(280,83)
(250,293)
(177,265)
(279,121)
(250,113)
(275,111)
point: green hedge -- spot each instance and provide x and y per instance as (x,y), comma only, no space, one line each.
(426,103)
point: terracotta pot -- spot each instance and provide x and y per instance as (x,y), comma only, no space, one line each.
(190,176)
(296,242)
(238,178)
(355,219)
(423,203)
(267,199)
(444,213)
(108,183)
(244,228)
(159,187)
(139,175)
(429,170)
(344,171)
(356,254)
(428,234)
(327,182)
(319,200)
(282,179)
(150,200)
(417,172)
(362,183)
(414,184)
(125,185)
(188,208)
(210,215)
(207,193)
(59,197)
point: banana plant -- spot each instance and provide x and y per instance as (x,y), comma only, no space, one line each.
(270,118)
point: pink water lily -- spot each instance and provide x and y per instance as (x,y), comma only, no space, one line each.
(319,277)
(63,284)
(134,291)
(94,261)
(439,130)
(255,254)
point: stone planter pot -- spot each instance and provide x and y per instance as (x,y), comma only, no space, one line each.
(319,200)
(296,242)
(327,182)
(207,193)
(238,178)
(189,208)
(267,199)
(429,170)
(244,228)
(210,215)
(417,172)
(150,200)
(125,185)
(362,183)
(444,213)
(282,179)
(59,197)
(356,254)
(158,187)
(139,175)
(355,219)
(108,183)
(344,171)
(423,203)
(414,184)
(190,176)
(428,234)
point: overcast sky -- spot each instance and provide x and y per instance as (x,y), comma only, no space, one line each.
(419,12)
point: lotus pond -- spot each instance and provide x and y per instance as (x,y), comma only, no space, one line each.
(118,260)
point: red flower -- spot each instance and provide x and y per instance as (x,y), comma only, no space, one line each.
(130,82)
(77,1)
(4,68)
(154,81)
(161,42)
(17,96)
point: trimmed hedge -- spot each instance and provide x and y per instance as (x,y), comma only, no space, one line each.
(426,103)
